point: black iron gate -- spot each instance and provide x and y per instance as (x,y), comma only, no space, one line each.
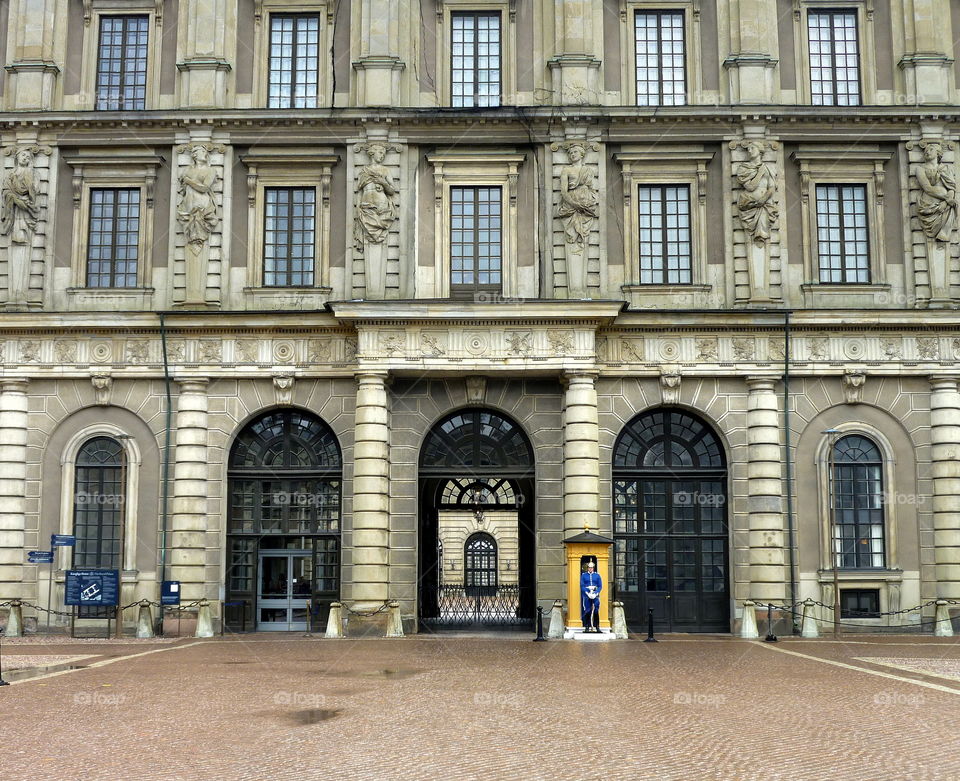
(460,607)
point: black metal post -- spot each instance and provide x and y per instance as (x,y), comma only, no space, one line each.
(539,638)
(771,637)
(650,637)
(2,682)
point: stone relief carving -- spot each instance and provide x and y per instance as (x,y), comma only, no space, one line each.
(757,199)
(176,352)
(210,350)
(247,351)
(853,382)
(391,344)
(350,350)
(283,387)
(65,352)
(521,342)
(19,210)
(707,349)
(376,208)
(476,343)
(670,384)
(744,349)
(892,347)
(819,347)
(430,345)
(318,350)
(284,352)
(937,200)
(476,389)
(561,342)
(137,352)
(197,210)
(602,348)
(778,349)
(928,348)
(631,349)
(102,385)
(3,350)
(579,203)
(29,351)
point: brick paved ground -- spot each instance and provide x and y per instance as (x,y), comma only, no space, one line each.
(269,707)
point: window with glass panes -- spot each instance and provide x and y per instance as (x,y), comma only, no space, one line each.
(834,58)
(476,240)
(294,61)
(661,69)
(98,504)
(122,63)
(843,244)
(480,565)
(665,253)
(289,236)
(475,59)
(858,534)
(113,238)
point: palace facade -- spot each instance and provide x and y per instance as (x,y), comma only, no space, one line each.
(382,300)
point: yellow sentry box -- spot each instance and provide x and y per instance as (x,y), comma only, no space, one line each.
(581,548)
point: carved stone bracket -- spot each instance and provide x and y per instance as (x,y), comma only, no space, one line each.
(670,384)
(476,389)
(102,387)
(853,382)
(283,383)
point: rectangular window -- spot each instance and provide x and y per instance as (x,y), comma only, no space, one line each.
(113,241)
(665,254)
(475,60)
(122,63)
(834,58)
(842,237)
(858,539)
(289,236)
(476,255)
(294,61)
(859,603)
(661,67)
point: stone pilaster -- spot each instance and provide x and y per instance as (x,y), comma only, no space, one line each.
(576,67)
(205,66)
(379,65)
(751,66)
(581,454)
(32,63)
(13,473)
(765,492)
(190,477)
(945,455)
(927,58)
(371,492)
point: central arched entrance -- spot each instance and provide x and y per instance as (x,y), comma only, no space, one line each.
(670,523)
(476,540)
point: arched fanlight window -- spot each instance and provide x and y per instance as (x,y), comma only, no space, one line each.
(857,494)
(476,439)
(667,438)
(98,504)
(480,565)
(467,492)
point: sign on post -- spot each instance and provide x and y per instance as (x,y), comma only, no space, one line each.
(170,592)
(62,540)
(40,557)
(93,587)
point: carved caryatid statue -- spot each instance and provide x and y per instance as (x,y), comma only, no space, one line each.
(757,202)
(19,211)
(937,200)
(376,210)
(579,199)
(197,211)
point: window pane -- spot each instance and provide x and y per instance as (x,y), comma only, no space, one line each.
(660,58)
(834,58)
(122,63)
(858,513)
(289,236)
(113,237)
(842,235)
(665,251)
(475,240)
(294,61)
(475,60)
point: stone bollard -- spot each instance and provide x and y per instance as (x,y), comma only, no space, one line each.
(334,621)
(943,626)
(556,629)
(204,620)
(748,625)
(14,620)
(394,622)
(619,622)
(144,620)
(808,626)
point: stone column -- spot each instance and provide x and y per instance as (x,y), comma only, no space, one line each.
(371,492)
(765,492)
(581,454)
(190,476)
(945,455)
(13,473)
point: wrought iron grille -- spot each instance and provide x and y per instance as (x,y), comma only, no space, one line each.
(462,607)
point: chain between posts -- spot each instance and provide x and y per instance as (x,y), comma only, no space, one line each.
(366,613)
(792,609)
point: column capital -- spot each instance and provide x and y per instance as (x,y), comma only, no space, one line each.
(196,385)
(372,376)
(14,385)
(758,383)
(946,382)
(579,376)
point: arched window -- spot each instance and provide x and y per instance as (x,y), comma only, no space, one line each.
(98,504)
(480,565)
(476,439)
(857,493)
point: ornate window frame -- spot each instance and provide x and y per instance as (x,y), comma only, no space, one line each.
(130,168)
(473,169)
(508,46)
(68,470)
(865,43)
(93,11)
(284,167)
(691,44)
(263,10)
(823,165)
(665,166)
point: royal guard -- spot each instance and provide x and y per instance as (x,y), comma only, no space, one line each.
(591,584)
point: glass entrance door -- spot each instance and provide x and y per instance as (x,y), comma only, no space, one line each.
(284,591)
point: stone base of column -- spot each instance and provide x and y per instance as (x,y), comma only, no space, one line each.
(944,625)
(748,624)
(365,619)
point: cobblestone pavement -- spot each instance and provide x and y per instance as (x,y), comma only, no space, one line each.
(452,708)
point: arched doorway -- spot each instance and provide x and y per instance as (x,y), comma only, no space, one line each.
(283,533)
(670,523)
(476,542)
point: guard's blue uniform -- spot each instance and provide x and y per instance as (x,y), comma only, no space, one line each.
(591,584)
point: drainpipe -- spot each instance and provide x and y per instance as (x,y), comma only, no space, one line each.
(788,460)
(165,479)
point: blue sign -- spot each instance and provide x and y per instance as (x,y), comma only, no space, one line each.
(93,587)
(170,592)
(62,540)
(40,556)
